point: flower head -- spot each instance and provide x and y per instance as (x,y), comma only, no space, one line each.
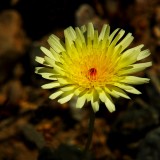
(92,67)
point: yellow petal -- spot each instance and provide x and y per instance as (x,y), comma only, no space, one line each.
(95,41)
(112,35)
(42,70)
(55,55)
(64,81)
(127,88)
(106,37)
(56,94)
(47,52)
(54,42)
(48,76)
(112,48)
(50,61)
(39,60)
(65,97)
(133,90)
(78,45)
(95,105)
(105,97)
(89,95)
(80,36)
(80,91)
(109,104)
(111,92)
(143,54)
(51,85)
(70,35)
(126,41)
(90,31)
(81,101)
(103,32)
(68,88)
(128,58)
(56,65)
(102,96)
(118,37)
(118,91)
(134,80)
(95,96)
(134,68)
(37,69)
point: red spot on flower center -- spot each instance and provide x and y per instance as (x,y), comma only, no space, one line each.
(92,73)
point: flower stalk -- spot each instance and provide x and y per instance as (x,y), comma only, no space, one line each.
(90,129)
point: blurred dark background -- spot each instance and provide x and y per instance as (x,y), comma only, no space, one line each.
(34,127)
(41,17)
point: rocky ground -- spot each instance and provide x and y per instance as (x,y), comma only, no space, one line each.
(32,127)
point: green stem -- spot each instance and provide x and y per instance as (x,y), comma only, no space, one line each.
(90,130)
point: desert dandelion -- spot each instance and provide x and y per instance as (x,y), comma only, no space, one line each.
(91,66)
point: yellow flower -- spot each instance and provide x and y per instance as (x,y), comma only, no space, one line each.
(92,67)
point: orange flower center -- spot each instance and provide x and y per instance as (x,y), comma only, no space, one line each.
(92,73)
(92,68)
